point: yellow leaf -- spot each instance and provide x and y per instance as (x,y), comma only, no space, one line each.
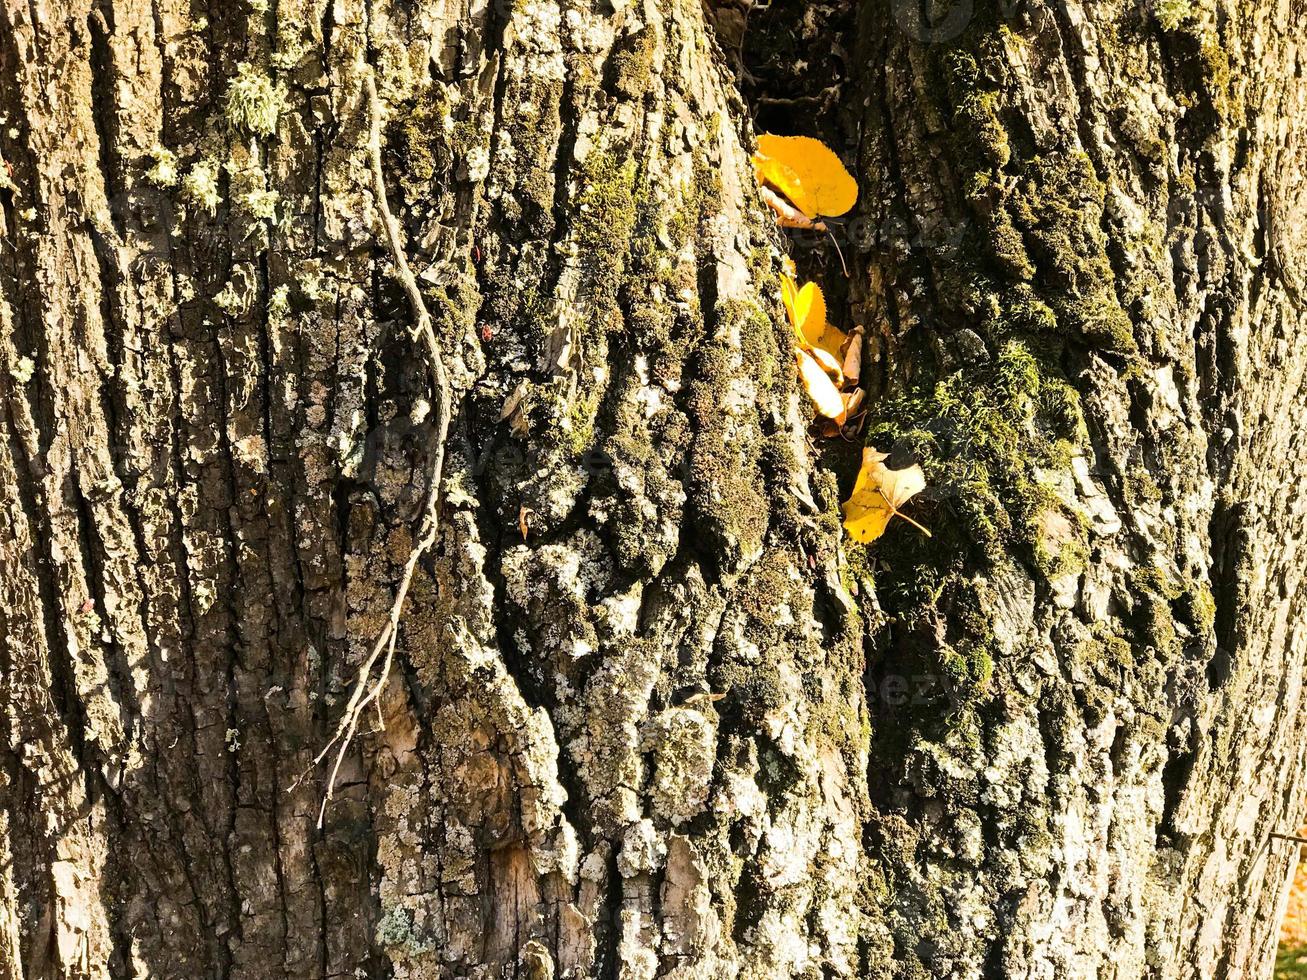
(825,396)
(828,364)
(878,494)
(806,308)
(807,172)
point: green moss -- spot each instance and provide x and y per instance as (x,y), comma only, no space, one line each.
(1015,311)
(976,113)
(1058,205)
(1203,73)
(1016,376)
(758,597)
(698,204)
(758,348)
(580,415)
(1214,74)
(1059,407)
(988,438)
(512,297)
(758,691)
(532,133)
(1036,259)
(1198,607)
(1142,486)
(1059,536)
(606,209)
(420,138)
(725,490)
(1155,580)
(980,436)
(968,669)
(1008,247)
(628,279)
(631,64)
(1153,615)
(1111,669)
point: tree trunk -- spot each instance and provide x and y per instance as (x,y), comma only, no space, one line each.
(649,714)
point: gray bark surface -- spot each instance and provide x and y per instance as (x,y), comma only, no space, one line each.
(651,714)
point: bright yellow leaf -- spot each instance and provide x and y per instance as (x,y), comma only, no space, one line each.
(878,495)
(828,364)
(806,308)
(825,396)
(807,172)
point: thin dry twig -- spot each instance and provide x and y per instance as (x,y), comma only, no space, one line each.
(368,689)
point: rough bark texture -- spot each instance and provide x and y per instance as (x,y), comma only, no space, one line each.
(651,715)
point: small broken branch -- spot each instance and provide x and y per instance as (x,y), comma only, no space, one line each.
(367,688)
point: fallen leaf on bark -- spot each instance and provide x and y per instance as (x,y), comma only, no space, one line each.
(878,495)
(806,308)
(852,366)
(807,173)
(513,400)
(817,383)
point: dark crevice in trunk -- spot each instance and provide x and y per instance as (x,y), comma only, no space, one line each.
(99,27)
(1230,562)
(237,587)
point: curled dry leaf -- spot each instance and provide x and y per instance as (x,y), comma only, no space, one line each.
(820,348)
(787,215)
(513,400)
(878,494)
(852,366)
(853,402)
(807,173)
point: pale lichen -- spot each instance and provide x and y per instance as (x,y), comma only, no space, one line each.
(22,371)
(279,304)
(1171,14)
(164,171)
(262,204)
(396,931)
(254,102)
(200,186)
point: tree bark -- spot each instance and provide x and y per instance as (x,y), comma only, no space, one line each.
(650,714)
